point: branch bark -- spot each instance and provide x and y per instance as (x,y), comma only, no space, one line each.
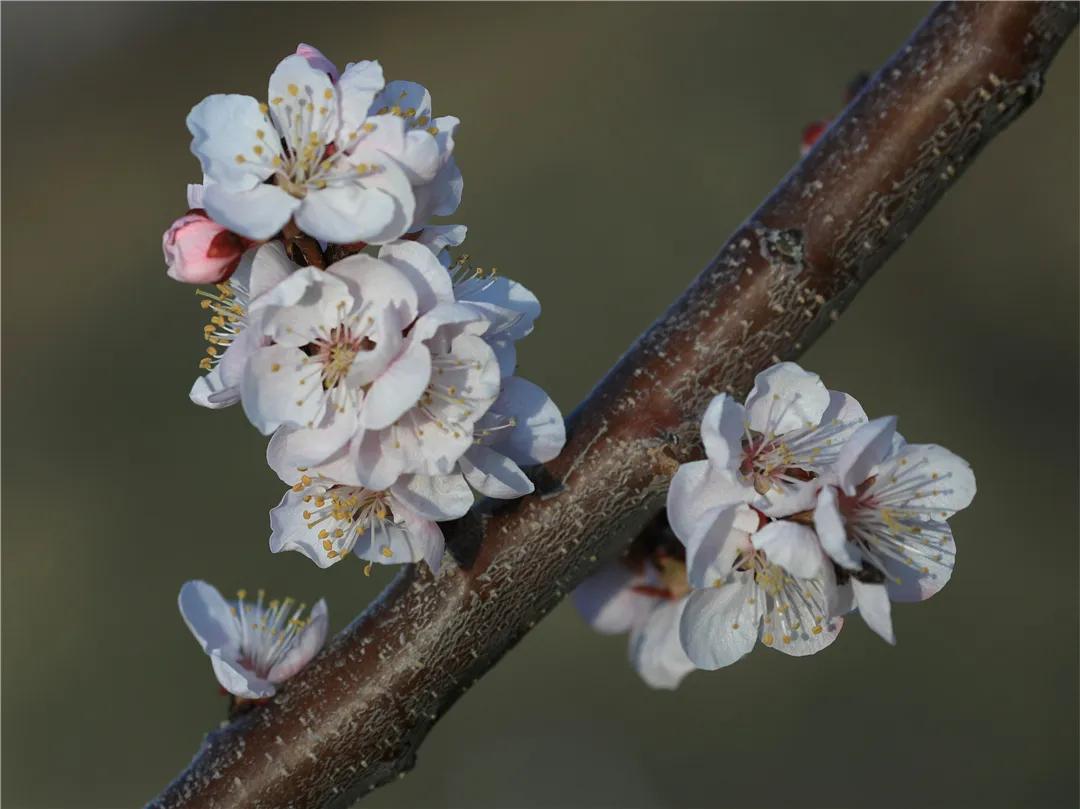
(355,717)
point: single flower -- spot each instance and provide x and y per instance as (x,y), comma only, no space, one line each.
(644,594)
(253,647)
(882,517)
(787,434)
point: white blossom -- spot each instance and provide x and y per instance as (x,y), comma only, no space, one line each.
(881,515)
(253,647)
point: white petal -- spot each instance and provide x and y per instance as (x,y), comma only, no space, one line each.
(438,237)
(434,497)
(718,625)
(294,83)
(412,540)
(397,388)
(440,197)
(290,531)
(209,617)
(317,60)
(209,391)
(539,432)
(238,680)
(280,387)
(372,280)
(263,268)
(257,213)
(655,650)
(843,408)
(426,536)
(305,647)
(377,463)
(499,292)
(950,483)
(421,266)
(722,432)
(493,474)
(408,96)
(792,546)
(357,86)
(785,397)
(696,488)
(873,603)
(806,628)
(346,213)
(832,532)
(607,602)
(930,572)
(715,543)
(385,176)
(312,446)
(303,307)
(224,127)
(868,446)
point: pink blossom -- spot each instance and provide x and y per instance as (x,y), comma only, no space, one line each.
(200,251)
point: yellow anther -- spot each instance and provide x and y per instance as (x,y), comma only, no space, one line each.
(241,159)
(275,367)
(433,130)
(241,594)
(767,639)
(332,554)
(293,89)
(328,94)
(257,149)
(816,630)
(263,109)
(366,128)
(327,545)
(387,552)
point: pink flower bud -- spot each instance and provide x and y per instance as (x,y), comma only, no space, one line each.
(200,251)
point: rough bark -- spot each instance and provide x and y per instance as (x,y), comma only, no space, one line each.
(354,718)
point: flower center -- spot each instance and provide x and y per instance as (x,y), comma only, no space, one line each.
(344,514)
(267,632)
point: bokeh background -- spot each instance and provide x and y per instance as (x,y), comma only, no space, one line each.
(607,150)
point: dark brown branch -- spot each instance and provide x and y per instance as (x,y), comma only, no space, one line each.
(355,718)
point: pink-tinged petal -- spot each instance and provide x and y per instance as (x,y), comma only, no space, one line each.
(873,603)
(655,650)
(317,60)
(346,213)
(257,213)
(722,431)
(867,447)
(281,387)
(371,279)
(211,392)
(209,617)
(716,542)
(792,546)
(832,531)
(224,132)
(607,601)
(358,85)
(719,625)
(699,487)
(421,266)
(784,398)
(305,647)
(238,680)
(493,474)
(434,497)
(397,388)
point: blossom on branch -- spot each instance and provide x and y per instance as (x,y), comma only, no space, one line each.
(253,647)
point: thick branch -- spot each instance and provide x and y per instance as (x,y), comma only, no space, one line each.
(355,717)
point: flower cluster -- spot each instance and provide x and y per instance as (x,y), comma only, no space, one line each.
(382,368)
(802,512)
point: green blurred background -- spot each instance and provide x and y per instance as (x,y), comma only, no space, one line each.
(608,150)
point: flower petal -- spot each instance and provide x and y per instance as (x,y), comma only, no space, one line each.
(372,280)
(346,213)
(715,543)
(210,391)
(397,388)
(784,398)
(257,213)
(317,60)
(209,617)
(294,85)
(873,603)
(864,451)
(290,531)
(655,650)
(493,474)
(262,268)
(718,624)
(607,601)
(238,680)
(224,131)
(538,434)
(722,430)
(949,482)
(278,388)
(792,546)
(832,532)
(434,497)
(421,266)
(696,488)
(357,87)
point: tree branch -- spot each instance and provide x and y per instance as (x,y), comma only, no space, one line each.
(355,717)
